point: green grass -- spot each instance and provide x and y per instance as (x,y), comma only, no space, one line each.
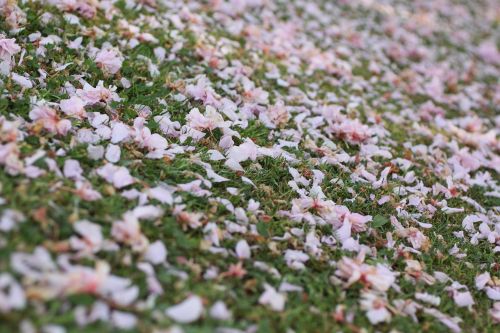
(51,207)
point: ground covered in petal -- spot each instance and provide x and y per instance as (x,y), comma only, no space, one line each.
(249,166)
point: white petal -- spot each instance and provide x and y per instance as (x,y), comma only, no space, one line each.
(493,293)
(161,194)
(270,297)
(188,311)
(463,299)
(123,320)
(120,132)
(482,280)
(156,253)
(113,153)
(378,315)
(219,311)
(243,250)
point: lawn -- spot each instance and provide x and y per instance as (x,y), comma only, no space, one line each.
(249,166)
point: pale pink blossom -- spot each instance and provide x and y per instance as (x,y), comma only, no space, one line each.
(296,259)
(123,320)
(270,297)
(10,219)
(50,120)
(8,48)
(99,94)
(86,8)
(85,191)
(357,221)
(128,231)
(90,240)
(147,212)
(155,143)
(417,239)
(188,311)
(377,277)
(463,299)
(14,16)
(72,169)
(110,60)
(489,52)
(415,271)
(156,253)
(490,285)
(210,120)
(117,175)
(466,160)
(345,221)
(495,312)
(163,194)
(192,219)
(45,280)
(203,92)
(113,153)
(451,323)
(246,151)
(256,95)
(194,188)
(375,307)
(10,159)
(275,116)
(428,298)
(243,250)
(22,80)
(120,132)
(220,311)
(12,296)
(482,280)
(428,111)
(73,107)
(351,131)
